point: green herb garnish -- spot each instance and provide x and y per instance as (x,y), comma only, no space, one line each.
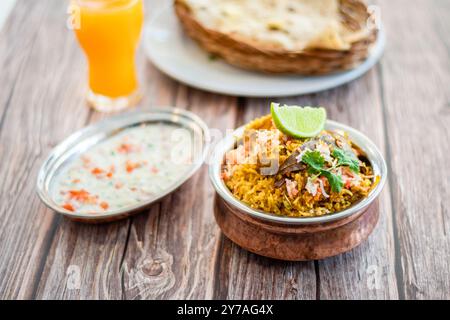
(335,180)
(315,160)
(316,163)
(346,158)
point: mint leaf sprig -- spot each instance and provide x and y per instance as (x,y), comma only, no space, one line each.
(316,166)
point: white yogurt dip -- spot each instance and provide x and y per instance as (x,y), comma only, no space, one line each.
(131,167)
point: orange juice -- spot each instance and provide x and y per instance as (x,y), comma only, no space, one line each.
(109,32)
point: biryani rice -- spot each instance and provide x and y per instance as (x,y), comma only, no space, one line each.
(259,191)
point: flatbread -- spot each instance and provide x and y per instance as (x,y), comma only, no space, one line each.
(291,25)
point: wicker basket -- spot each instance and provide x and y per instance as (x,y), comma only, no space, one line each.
(272,60)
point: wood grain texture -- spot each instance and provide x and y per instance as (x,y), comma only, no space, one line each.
(37,76)
(175,250)
(172,250)
(415,76)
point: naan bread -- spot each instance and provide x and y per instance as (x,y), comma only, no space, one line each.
(291,25)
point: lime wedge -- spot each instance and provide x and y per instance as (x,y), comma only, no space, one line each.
(298,122)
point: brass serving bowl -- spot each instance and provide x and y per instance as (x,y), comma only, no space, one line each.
(297,238)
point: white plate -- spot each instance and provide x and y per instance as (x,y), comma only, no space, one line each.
(178,56)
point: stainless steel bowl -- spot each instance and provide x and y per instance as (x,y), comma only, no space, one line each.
(89,136)
(373,154)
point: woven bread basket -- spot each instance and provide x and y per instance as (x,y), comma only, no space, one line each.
(311,61)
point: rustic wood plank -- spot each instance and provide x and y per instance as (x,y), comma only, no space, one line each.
(244,275)
(15,53)
(415,77)
(85,262)
(172,251)
(32,101)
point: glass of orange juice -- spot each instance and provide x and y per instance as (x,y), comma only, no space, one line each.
(109,31)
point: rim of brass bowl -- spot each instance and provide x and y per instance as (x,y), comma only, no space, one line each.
(373,155)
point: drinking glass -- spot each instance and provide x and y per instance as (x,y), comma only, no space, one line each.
(109,32)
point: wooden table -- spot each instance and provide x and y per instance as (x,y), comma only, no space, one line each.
(176,250)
